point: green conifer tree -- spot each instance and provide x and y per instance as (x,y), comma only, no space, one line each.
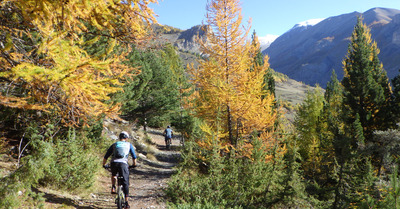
(152,95)
(181,119)
(308,124)
(366,86)
(331,133)
(396,96)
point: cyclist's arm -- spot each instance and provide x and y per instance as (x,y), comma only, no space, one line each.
(104,162)
(134,162)
(108,154)
(133,154)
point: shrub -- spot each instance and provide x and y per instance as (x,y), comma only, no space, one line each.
(238,182)
(73,166)
(63,162)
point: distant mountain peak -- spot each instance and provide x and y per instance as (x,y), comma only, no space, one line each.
(307,23)
(266,41)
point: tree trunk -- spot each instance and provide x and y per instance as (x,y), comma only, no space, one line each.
(230,130)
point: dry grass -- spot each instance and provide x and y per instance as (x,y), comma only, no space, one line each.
(151,157)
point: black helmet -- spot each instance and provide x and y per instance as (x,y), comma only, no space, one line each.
(123,135)
(168,126)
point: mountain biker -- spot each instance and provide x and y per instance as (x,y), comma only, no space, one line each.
(120,151)
(168,135)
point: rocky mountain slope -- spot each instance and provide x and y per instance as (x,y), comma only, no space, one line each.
(184,40)
(189,49)
(310,53)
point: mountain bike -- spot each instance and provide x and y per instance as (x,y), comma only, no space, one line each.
(168,142)
(120,196)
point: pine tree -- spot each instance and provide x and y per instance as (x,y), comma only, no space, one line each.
(332,110)
(366,88)
(153,95)
(180,117)
(396,100)
(331,133)
(307,122)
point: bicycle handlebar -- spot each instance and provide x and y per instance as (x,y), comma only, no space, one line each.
(108,166)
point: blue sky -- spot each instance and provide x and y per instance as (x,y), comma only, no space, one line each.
(268,17)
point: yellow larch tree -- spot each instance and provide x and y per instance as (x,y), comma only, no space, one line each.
(230,96)
(44,65)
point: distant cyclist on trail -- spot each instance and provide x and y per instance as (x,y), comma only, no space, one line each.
(120,151)
(168,136)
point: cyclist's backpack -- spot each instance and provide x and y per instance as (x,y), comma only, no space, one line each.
(121,149)
(168,133)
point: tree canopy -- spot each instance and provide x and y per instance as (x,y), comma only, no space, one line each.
(228,73)
(44,64)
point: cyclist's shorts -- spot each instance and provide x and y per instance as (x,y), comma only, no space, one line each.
(120,169)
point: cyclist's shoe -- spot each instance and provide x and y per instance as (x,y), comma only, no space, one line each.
(113,190)
(127,205)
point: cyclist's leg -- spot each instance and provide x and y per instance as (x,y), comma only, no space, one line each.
(124,171)
(114,171)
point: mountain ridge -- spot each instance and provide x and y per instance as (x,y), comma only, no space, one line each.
(311,54)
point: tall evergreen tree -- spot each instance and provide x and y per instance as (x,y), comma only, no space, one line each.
(332,111)
(180,117)
(366,87)
(307,122)
(150,97)
(396,96)
(331,133)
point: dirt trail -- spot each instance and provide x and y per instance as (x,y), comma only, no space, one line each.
(147,181)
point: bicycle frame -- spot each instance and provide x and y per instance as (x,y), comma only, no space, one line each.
(120,198)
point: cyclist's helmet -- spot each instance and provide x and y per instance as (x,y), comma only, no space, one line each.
(168,126)
(123,135)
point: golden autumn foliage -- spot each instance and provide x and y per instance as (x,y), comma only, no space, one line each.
(44,65)
(121,19)
(230,95)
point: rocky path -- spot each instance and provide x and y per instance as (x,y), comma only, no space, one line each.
(147,180)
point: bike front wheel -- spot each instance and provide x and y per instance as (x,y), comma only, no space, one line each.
(120,198)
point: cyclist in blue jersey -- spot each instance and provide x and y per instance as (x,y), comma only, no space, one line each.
(168,134)
(120,151)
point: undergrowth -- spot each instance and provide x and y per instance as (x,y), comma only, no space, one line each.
(236,182)
(65,161)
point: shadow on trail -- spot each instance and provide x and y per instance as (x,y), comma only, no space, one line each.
(145,196)
(52,198)
(159,133)
(156,164)
(172,157)
(172,147)
(152,173)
